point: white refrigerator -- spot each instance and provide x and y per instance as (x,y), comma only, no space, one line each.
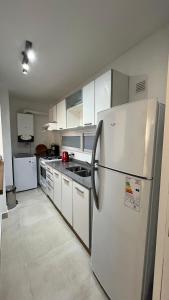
(25,172)
(126,165)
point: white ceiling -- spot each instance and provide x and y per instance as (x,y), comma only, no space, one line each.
(74,39)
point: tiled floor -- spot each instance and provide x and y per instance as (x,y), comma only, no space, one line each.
(41,259)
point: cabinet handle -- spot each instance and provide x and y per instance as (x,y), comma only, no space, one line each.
(80,191)
(60,128)
(66,180)
(87,124)
(56,174)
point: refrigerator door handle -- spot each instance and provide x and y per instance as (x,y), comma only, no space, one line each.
(94,161)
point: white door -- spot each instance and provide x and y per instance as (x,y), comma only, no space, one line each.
(61,114)
(25,173)
(81,212)
(57,177)
(67,198)
(165,277)
(128,136)
(103,91)
(119,234)
(88,104)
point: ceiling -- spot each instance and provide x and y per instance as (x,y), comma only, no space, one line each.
(73,39)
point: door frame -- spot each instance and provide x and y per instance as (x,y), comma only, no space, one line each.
(163,216)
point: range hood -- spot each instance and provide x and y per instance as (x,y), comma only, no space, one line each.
(49,126)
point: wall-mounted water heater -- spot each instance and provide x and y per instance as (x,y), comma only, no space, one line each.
(25,127)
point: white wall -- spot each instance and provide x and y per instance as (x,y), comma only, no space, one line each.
(5,144)
(18,105)
(6,134)
(149,57)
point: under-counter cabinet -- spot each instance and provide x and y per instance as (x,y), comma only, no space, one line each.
(61,114)
(57,188)
(88,104)
(49,180)
(67,199)
(81,212)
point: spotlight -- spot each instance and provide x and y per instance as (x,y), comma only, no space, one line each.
(25,72)
(29,51)
(25,62)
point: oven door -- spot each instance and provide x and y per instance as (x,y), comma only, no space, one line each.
(43,182)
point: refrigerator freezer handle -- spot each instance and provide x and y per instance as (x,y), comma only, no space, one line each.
(98,133)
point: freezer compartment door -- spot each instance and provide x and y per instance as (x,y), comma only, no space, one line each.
(128,136)
(119,233)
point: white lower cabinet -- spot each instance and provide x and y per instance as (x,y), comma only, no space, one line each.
(67,199)
(57,185)
(81,212)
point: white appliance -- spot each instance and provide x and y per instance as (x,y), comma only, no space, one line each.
(25,127)
(126,184)
(43,172)
(25,172)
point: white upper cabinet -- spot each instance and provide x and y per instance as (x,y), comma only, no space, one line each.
(88,104)
(53,114)
(61,114)
(103,92)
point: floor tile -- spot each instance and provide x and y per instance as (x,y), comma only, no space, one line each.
(41,259)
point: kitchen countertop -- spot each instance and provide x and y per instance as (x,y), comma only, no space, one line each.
(61,167)
(1,176)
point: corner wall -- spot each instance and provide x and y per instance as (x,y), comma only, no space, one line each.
(149,57)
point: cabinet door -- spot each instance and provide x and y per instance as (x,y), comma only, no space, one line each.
(53,114)
(81,212)
(57,189)
(67,198)
(103,92)
(88,104)
(61,114)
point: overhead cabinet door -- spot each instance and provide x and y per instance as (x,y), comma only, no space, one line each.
(103,91)
(88,104)
(61,114)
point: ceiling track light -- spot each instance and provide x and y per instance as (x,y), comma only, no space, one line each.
(25,63)
(29,51)
(28,56)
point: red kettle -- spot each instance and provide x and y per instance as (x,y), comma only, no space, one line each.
(65,156)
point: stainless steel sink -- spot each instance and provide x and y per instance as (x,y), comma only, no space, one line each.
(84,173)
(81,171)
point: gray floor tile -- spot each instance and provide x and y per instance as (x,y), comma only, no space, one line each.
(41,259)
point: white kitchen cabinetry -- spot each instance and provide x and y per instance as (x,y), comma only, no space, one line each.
(88,104)
(49,181)
(61,114)
(111,89)
(67,198)
(53,114)
(81,212)
(103,91)
(57,184)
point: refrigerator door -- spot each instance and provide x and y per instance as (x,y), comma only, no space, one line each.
(128,136)
(119,233)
